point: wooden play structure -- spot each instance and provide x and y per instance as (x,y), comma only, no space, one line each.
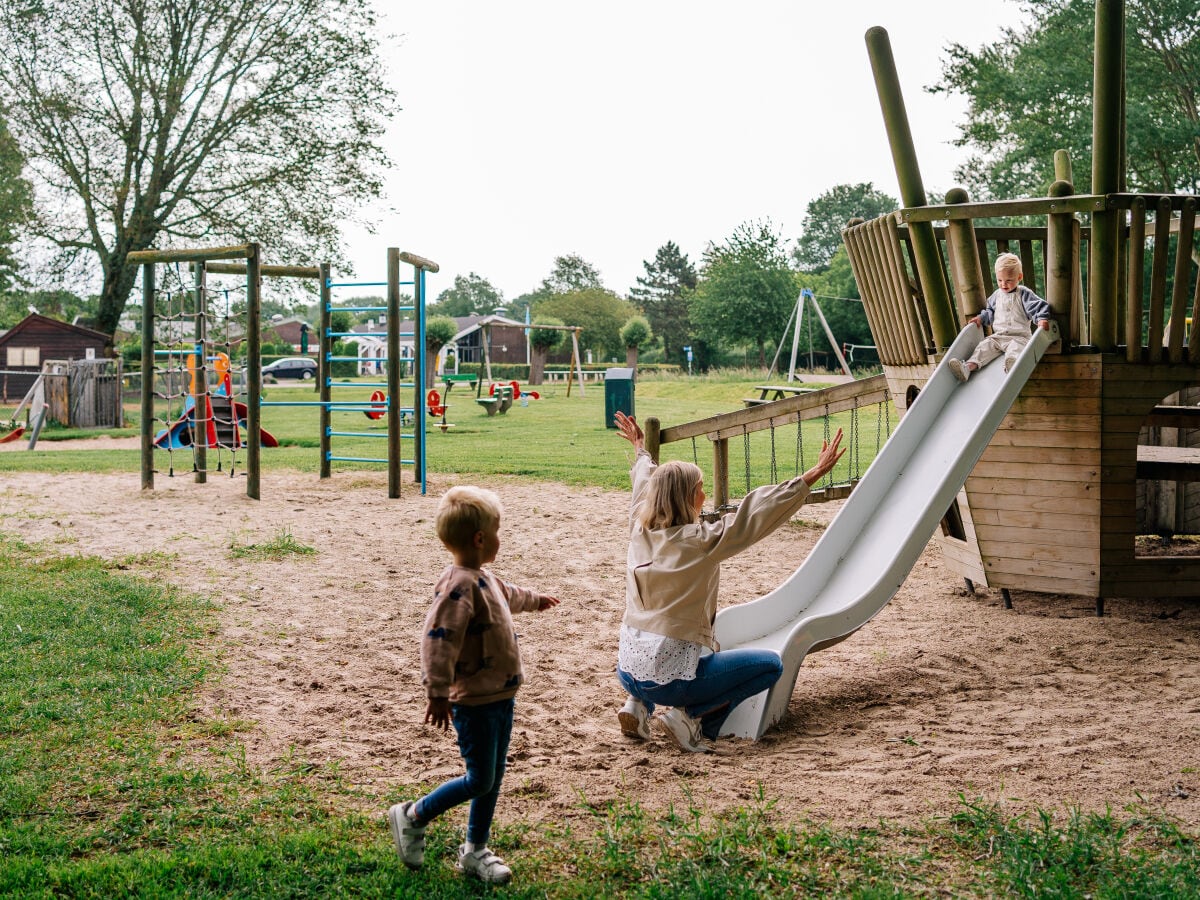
(1058,500)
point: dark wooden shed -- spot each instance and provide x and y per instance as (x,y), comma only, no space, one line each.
(37,338)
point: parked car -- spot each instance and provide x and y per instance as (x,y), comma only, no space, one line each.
(291,367)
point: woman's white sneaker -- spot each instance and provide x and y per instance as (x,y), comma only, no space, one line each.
(635,719)
(682,730)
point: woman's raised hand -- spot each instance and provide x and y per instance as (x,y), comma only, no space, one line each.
(629,429)
(830,454)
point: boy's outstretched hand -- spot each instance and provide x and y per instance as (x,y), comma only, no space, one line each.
(830,454)
(629,429)
(547,603)
(437,713)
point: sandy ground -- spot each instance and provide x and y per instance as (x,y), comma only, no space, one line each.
(943,693)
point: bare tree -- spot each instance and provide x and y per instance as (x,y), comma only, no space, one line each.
(184,122)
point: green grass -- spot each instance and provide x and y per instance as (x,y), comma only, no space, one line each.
(113,784)
(555,438)
(280,547)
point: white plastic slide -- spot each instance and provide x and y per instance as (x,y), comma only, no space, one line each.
(872,544)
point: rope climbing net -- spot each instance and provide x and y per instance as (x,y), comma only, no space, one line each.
(199,404)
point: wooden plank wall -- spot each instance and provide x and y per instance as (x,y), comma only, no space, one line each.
(1035,495)
(1052,505)
(1131,391)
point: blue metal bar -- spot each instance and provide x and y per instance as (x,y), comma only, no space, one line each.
(357,383)
(370,459)
(329,404)
(333,308)
(341,284)
(360,434)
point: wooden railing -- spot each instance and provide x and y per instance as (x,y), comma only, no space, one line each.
(1102,315)
(720,428)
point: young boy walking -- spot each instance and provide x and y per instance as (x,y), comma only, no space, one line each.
(1009,311)
(471,669)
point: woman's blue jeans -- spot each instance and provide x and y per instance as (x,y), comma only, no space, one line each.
(483,734)
(723,680)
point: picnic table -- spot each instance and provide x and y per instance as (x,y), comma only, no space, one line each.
(768,393)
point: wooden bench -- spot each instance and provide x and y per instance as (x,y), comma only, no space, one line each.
(769,393)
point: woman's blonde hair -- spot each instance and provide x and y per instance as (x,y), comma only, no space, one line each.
(668,500)
(463,511)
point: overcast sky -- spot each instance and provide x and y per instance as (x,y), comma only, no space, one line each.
(531,129)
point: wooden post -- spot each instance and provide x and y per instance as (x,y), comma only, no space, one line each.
(1060,260)
(325,370)
(1158,278)
(393,373)
(1106,165)
(201,403)
(912,190)
(964,261)
(1179,292)
(1062,166)
(720,472)
(1133,304)
(653,433)
(147,423)
(254,370)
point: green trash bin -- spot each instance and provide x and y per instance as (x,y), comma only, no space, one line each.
(618,394)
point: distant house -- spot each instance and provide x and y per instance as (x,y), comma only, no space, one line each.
(291,331)
(505,338)
(37,338)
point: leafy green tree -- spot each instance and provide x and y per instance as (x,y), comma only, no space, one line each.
(61,305)
(16,205)
(471,295)
(663,294)
(439,331)
(543,342)
(826,216)
(747,290)
(167,123)
(636,335)
(599,312)
(571,273)
(1030,93)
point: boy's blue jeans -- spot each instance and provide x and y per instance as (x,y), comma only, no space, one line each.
(483,734)
(723,680)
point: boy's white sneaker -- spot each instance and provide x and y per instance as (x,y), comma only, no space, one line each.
(408,837)
(635,719)
(483,864)
(682,730)
(957,369)
(1009,362)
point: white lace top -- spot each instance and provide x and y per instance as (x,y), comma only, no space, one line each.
(646,656)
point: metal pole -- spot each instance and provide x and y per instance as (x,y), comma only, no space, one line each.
(147,423)
(325,369)
(393,371)
(420,355)
(253,371)
(912,189)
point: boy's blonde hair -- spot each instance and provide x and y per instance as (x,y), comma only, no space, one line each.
(1009,262)
(668,500)
(465,510)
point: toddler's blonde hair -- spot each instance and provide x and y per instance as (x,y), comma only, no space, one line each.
(1009,262)
(465,510)
(668,500)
